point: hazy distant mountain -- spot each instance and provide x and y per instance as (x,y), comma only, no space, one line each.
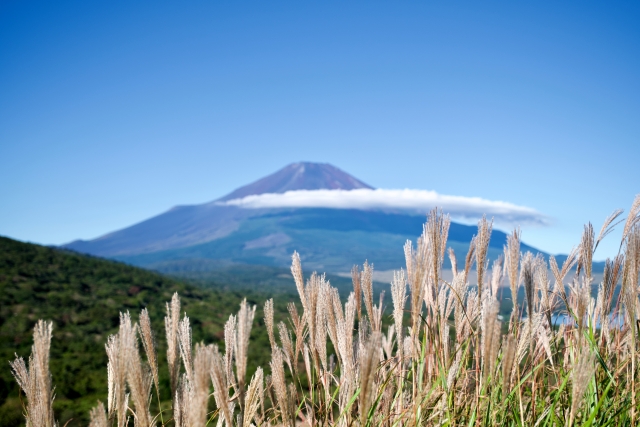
(209,235)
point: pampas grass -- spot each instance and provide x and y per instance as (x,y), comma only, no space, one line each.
(441,356)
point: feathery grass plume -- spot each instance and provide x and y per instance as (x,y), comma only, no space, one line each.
(454,262)
(417,277)
(287,347)
(357,289)
(35,380)
(184,341)
(255,395)
(149,344)
(497,275)
(437,227)
(608,226)
(245,322)
(345,325)
(299,325)
(268,321)
(220,385)
(280,388)
(296,272)
(527,266)
(98,416)
(508,357)
(587,246)
(171,322)
(138,376)
(117,401)
(632,219)
(482,247)
(630,276)
(181,403)
(368,364)
(199,399)
(490,337)
(229,348)
(399,297)
(366,282)
(471,256)
(560,274)
(583,370)
(511,265)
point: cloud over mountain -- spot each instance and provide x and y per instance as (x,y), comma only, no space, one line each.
(385,199)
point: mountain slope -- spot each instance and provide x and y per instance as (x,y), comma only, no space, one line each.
(331,240)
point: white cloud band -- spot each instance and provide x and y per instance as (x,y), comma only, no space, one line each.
(414,200)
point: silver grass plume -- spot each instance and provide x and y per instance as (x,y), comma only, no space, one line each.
(560,274)
(583,371)
(268,321)
(527,278)
(454,262)
(357,289)
(399,297)
(608,226)
(184,340)
(632,219)
(199,399)
(368,364)
(437,227)
(117,401)
(220,385)
(296,272)
(149,344)
(508,357)
(255,395)
(35,380)
(280,387)
(287,347)
(471,256)
(587,246)
(497,275)
(482,247)
(490,337)
(138,376)
(245,322)
(98,416)
(171,322)
(229,347)
(366,281)
(511,264)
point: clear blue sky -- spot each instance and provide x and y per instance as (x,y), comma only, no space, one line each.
(112,112)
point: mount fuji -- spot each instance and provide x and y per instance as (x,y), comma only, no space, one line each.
(265,221)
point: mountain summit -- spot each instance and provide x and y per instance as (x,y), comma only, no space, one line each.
(300,176)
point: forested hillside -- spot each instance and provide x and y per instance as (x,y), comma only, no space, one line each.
(83,296)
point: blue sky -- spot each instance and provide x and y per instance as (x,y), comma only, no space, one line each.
(112,112)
